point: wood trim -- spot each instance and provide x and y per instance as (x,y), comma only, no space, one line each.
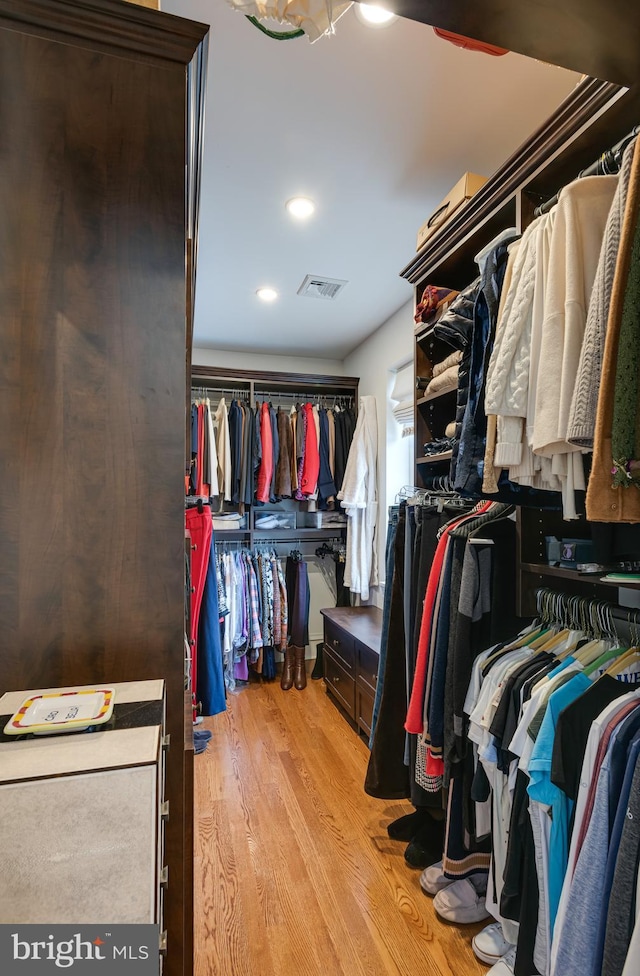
(588,100)
(107,25)
(268,378)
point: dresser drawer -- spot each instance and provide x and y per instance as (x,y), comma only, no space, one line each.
(341,644)
(339,683)
(367,668)
(364,710)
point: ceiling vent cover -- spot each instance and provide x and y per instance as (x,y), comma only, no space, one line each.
(314,286)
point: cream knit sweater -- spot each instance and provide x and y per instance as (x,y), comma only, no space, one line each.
(580,220)
(582,416)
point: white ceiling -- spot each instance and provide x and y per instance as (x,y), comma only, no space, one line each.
(375,126)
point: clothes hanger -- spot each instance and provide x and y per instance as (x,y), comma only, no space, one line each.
(630,656)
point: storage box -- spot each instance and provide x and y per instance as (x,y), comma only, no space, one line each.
(464,189)
(270,520)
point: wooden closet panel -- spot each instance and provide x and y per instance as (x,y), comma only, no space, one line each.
(92,380)
(92,401)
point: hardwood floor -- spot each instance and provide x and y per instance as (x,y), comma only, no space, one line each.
(295,874)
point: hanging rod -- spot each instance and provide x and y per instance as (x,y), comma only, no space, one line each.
(235,391)
(606,165)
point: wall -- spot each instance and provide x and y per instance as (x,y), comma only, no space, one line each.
(252,360)
(373,360)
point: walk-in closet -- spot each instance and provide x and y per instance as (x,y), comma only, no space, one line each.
(320,562)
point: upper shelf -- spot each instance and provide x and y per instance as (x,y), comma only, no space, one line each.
(593,117)
(594,37)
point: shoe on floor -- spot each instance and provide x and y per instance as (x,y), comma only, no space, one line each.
(200,745)
(490,945)
(432,880)
(405,828)
(201,735)
(427,844)
(461,903)
(505,966)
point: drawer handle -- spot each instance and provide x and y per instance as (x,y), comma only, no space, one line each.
(164,811)
(336,680)
(164,877)
(162,943)
(336,642)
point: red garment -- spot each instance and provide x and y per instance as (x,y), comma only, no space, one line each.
(311,465)
(469,44)
(415,713)
(200,527)
(265,471)
(415,717)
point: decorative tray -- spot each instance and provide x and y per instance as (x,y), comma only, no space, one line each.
(62,711)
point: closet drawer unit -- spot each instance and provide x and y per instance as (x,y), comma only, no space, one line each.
(364,710)
(367,670)
(339,683)
(341,644)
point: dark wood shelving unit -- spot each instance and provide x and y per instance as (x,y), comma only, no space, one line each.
(435,458)
(562,572)
(594,117)
(434,396)
(256,385)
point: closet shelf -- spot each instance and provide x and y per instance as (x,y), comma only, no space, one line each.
(293,534)
(435,396)
(542,569)
(433,458)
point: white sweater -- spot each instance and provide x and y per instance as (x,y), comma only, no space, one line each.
(581,216)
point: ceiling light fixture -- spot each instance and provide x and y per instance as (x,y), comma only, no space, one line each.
(267,294)
(300,207)
(374,15)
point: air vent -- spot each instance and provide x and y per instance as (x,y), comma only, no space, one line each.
(327,288)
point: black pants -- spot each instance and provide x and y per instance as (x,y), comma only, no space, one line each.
(387,775)
(297,583)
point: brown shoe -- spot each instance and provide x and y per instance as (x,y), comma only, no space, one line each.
(300,679)
(286,681)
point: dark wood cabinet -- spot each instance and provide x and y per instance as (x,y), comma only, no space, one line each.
(94,98)
(351,656)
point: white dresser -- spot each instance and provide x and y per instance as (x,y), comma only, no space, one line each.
(82,816)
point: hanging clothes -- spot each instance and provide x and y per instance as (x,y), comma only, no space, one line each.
(265,471)
(198,524)
(358,496)
(210,689)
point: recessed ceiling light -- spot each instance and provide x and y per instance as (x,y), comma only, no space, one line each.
(374,15)
(300,207)
(267,294)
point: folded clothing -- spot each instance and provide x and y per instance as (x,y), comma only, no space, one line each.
(439,446)
(432,300)
(448,380)
(452,360)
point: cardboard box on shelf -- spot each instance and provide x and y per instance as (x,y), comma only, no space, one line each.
(464,189)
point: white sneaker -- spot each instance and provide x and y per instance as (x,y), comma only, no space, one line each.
(432,880)
(490,945)
(460,902)
(505,966)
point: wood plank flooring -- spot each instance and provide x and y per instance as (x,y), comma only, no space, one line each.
(295,874)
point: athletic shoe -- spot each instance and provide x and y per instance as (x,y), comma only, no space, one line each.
(461,903)
(432,880)
(505,966)
(490,945)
